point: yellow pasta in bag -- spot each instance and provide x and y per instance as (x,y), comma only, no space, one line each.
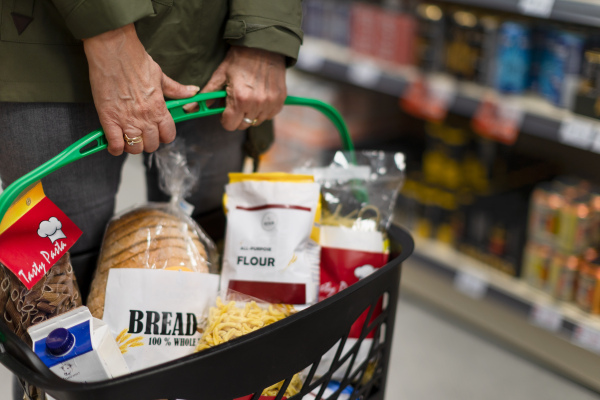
(230,320)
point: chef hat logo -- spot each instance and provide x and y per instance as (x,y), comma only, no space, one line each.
(51,229)
(364,271)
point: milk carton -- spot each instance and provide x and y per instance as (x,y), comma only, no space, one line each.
(76,346)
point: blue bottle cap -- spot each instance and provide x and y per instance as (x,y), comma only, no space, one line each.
(59,342)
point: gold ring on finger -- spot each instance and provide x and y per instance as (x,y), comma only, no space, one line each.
(250,121)
(132,141)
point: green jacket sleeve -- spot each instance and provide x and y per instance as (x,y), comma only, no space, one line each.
(87,18)
(273,25)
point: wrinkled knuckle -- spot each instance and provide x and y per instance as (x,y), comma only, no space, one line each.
(243,96)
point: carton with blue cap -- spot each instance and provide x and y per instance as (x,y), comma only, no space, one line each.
(78,347)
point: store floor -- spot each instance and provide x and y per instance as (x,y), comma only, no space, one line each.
(432,357)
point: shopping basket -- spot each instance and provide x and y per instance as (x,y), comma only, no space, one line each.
(243,367)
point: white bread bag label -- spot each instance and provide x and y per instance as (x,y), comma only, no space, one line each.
(154,314)
(269,253)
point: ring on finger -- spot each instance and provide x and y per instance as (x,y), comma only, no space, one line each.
(250,121)
(132,141)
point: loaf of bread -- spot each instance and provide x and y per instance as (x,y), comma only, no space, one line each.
(151,237)
(56,293)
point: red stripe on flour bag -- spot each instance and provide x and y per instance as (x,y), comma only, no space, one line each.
(272,292)
(341,268)
(34,235)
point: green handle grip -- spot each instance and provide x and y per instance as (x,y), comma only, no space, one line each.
(96,141)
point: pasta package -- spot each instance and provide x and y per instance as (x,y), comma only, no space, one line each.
(56,293)
(153,285)
(359,192)
(271,244)
(232,319)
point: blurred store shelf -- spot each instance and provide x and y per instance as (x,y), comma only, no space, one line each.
(539,118)
(584,12)
(554,333)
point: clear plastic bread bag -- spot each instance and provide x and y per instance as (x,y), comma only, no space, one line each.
(161,308)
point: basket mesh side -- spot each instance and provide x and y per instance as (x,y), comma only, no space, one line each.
(363,375)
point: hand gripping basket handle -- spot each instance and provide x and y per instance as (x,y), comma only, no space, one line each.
(96,141)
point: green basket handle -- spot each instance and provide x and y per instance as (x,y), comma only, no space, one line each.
(98,141)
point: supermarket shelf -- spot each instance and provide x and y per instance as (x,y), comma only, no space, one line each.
(584,12)
(554,333)
(539,118)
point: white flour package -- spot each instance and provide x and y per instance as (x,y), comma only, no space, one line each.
(271,244)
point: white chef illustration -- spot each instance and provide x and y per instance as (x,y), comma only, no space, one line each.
(364,271)
(51,229)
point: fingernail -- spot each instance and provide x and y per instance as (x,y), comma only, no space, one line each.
(189,107)
(193,88)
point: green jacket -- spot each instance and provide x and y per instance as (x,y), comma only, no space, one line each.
(42,57)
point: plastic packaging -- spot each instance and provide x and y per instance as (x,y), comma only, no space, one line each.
(156,235)
(240,315)
(56,293)
(513,57)
(359,192)
(152,282)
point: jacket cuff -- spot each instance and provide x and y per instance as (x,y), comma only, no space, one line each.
(277,39)
(90,18)
(272,25)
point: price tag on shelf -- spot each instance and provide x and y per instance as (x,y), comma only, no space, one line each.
(364,74)
(310,60)
(546,316)
(499,118)
(430,97)
(536,8)
(577,132)
(587,337)
(472,284)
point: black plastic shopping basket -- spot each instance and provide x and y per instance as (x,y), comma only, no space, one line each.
(246,365)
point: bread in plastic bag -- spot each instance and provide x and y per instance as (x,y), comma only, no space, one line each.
(156,235)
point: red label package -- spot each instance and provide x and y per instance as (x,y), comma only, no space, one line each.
(34,235)
(348,256)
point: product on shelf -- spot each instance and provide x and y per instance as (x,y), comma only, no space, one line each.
(536,264)
(558,79)
(328,19)
(561,255)
(471,193)
(586,102)
(588,287)
(364,30)
(470,46)
(431,25)
(383,33)
(513,57)
(562,276)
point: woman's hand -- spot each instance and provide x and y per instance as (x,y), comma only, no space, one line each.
(255,84)
(128,89)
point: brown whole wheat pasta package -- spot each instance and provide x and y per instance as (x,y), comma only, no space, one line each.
(56,293)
